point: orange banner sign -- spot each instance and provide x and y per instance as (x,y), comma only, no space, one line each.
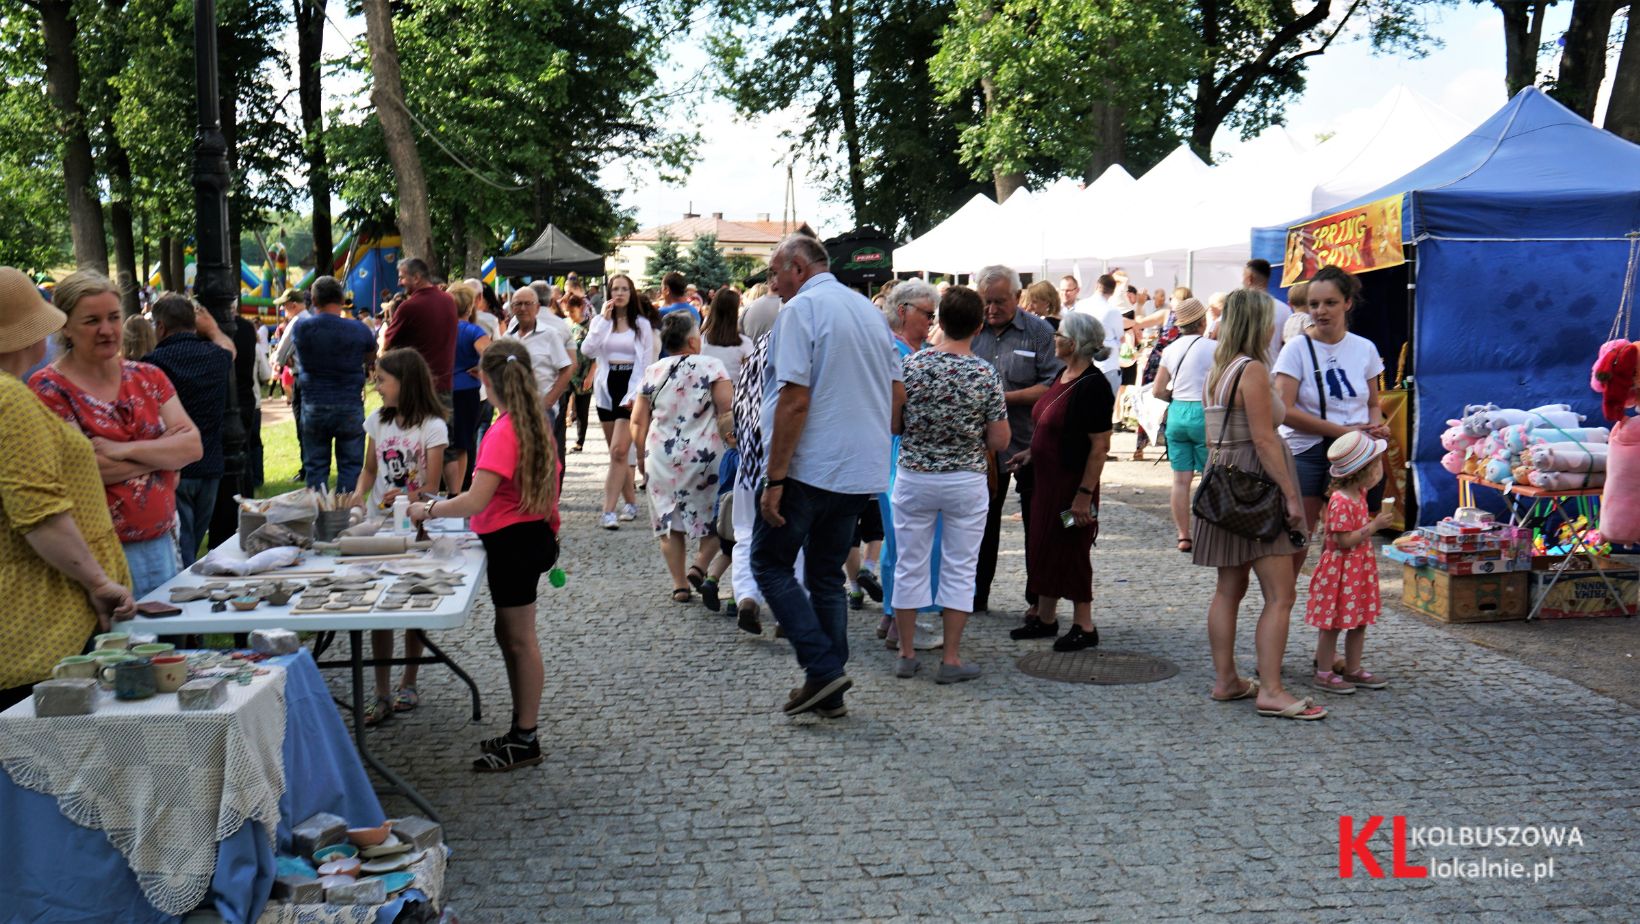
(1364,238)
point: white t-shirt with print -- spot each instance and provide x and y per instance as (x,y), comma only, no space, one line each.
(1347,369)
(1196,352)
(401,455)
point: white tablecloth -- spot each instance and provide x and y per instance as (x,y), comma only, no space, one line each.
(165,785)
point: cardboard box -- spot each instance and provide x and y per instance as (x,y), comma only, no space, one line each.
(1464,598)
(1498,566)
(1583,595)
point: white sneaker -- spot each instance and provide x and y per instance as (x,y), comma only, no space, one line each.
(629,511)
(607,521)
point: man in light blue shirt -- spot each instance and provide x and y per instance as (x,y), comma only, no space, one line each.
(828,389)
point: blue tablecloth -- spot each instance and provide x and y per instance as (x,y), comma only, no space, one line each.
(52,870)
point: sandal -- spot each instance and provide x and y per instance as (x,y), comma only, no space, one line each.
(1329,682)
(378,712)
(1362,678)
(1303,710)
(1250,689)
(697,576)
(682,595)
(1185,545)
(405,699)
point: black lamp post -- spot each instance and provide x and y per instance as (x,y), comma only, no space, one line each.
(215,282)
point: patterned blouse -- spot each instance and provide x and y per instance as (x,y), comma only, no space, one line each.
(949,400)
(143,507)
(749,415)
(47,615)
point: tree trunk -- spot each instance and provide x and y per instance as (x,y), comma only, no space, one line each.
(1583,60)
(119,216)
(387,95)
(1522,34)
(843,53)
(167,273)
(179,263)
(1109,121)
(475,254)
(310,36)
(1623,109)
(60,30)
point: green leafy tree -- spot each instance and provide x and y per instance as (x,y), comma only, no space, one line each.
(742,266)
(860,73)
(664,258)
(34,233)
(705,265)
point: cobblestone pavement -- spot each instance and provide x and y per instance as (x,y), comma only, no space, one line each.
(675,789)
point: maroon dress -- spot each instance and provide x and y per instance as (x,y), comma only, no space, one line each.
(1058,559)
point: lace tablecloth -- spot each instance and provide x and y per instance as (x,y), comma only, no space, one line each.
(163,784)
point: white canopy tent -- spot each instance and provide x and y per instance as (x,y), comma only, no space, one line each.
(953,246)
(1273,177)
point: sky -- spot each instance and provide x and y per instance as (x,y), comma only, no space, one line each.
(741,166)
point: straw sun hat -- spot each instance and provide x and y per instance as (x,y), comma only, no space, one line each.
(1352,452)
(1189,311)
(25,317)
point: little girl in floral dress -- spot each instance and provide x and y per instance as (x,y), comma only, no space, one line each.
(1344,587)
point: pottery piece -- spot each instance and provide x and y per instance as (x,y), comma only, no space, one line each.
(204,694)
(369,837)
(386,848)
(344,866)
(390,864)
(245,603)
(319,831)
(420,832)
(392,882)
(372,891)
(298,890)
(69,696)
(336,851)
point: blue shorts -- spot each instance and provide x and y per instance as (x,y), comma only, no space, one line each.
(1186,437)
(152,562)
(1312,470)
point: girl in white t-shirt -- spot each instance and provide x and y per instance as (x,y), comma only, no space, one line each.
(1329,382)
(405,456)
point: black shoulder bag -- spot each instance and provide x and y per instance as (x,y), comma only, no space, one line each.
(1235,500)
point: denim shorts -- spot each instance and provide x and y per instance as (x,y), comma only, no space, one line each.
(1312,470)
(1186,437)
(153,562)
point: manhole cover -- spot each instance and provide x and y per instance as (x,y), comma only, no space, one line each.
(1097,666)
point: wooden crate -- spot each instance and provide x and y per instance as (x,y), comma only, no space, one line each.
(1465,598)
(1584,595)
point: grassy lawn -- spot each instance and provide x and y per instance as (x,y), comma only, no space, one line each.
(281,461)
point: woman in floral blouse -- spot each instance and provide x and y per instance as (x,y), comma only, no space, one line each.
(682,421)
(953,415)
(137,426)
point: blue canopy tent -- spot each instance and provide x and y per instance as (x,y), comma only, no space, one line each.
(1517,252)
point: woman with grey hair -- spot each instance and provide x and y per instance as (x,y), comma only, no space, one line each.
(685,403)
(1067,455)
(911,311)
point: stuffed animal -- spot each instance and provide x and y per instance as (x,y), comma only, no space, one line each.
(1481,421)
(1568,457)
(1456,439)
(1620,502)
(1616,377)
(1497,471)
(1455,462)
(1565,481)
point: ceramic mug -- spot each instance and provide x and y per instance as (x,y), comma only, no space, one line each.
(76,667)
(113,641)
(153,649)
(133,679)
(170,672)
(106,662)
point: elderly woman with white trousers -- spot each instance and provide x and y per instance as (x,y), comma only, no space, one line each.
(951,416)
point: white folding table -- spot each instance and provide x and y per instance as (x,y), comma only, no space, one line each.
(451,612)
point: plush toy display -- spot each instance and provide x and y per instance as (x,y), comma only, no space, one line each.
(1620,502)
(1481,419)
(1568,457)
(1616,377)
(1565,481)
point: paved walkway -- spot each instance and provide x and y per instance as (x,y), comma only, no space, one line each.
(675,789)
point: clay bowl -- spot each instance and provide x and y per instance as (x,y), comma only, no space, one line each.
(335,852)
(369,837)
(245,603)
(346,866)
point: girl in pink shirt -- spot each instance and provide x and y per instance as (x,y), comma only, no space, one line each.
(514,510)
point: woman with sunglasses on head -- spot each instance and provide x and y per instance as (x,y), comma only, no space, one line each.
(1243,410)
(622,342)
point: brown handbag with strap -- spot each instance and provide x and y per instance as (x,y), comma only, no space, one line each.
(1237,500)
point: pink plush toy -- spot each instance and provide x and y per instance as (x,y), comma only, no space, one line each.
(1454,462)
(1620,503)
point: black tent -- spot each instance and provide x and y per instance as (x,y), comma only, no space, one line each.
(864,256)
(552,254)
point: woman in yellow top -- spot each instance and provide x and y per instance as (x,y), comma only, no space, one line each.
(61,564)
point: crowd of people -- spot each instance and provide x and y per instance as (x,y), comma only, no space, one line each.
(808,444)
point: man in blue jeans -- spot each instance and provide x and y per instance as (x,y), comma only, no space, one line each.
(198,359)
(331,351)
(828,388)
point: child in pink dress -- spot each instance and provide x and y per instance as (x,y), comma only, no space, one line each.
(1344,587)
